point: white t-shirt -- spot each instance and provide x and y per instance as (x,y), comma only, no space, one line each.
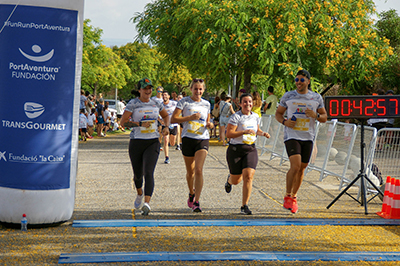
(107,116)
(82,121)
(160,100)
(120,108)
(91,119)
(195,129)
(170,108)
(296,105)
(244,122)
(145,112)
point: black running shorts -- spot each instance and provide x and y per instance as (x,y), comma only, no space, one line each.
(304,148)
(241,156)
(190,146)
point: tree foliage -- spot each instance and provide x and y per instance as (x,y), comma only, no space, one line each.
(102,69)
(333,39)
(389,26)
(145,61)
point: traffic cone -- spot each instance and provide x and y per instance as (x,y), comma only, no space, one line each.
(395,211)
(385,198)
(391,193)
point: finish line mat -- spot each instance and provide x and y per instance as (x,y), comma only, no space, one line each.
(253,222)
(231,256)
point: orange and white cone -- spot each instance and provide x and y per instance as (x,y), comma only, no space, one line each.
(395,211)
(385,198)
(391,193)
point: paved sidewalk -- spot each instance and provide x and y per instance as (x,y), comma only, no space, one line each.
(104,192)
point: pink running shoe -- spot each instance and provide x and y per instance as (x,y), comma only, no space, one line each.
(190,201)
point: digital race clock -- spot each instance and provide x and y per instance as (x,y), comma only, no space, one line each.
(362,106)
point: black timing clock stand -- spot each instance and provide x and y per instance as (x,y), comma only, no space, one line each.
(361,176)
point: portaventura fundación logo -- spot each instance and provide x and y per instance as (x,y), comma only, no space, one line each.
(34,72)
(38,58)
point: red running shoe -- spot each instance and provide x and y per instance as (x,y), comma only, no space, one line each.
(287,202)
(294,205)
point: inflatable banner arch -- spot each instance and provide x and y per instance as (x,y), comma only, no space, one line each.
(40,72)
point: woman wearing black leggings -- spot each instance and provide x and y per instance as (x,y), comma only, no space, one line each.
(142,113)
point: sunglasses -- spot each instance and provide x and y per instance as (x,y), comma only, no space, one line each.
(198,80)
(297,80)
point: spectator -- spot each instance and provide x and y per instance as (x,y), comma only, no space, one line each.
(271,102)
(91,121)
(100,117)
(256,103)
(83,121)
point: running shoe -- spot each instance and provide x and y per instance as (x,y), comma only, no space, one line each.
(287,202)
(190,201)
(294,205)
(245,210)
(146,209)
(167,160)
(178,147)
(228,187)
(196,206)
(138,201)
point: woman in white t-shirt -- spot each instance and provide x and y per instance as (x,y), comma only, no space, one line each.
(195,138)
(241,155)
(142,113)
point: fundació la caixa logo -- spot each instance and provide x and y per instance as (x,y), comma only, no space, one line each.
(33,110)
(3,156)
(37,58)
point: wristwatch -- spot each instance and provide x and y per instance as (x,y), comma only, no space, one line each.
(317,115)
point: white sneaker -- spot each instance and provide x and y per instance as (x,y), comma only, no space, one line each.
(138,201)
(146,209)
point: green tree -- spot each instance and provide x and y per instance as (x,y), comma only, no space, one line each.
(102,69)
(389,26)
(145,61)
(333,39)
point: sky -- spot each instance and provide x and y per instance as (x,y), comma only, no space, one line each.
(113,17)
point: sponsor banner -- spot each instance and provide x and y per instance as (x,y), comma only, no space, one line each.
(37,87)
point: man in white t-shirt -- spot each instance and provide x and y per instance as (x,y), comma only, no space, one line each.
(304,107)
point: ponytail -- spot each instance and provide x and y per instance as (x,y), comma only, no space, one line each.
(136,92)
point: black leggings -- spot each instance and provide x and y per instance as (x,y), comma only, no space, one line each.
(144,156)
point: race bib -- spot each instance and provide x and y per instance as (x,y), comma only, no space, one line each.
(302,124)
(196,128)
(151,129)
(249,138)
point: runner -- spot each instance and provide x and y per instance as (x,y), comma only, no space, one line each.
(303,107)
(169,106)
(195,138)
(142,113)
(241,155)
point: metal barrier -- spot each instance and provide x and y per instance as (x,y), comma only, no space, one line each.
(336,149)
(386,155)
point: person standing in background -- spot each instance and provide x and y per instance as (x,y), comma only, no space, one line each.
(270,102)
(257,103)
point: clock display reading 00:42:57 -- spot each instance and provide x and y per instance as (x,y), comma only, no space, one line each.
(362,106)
